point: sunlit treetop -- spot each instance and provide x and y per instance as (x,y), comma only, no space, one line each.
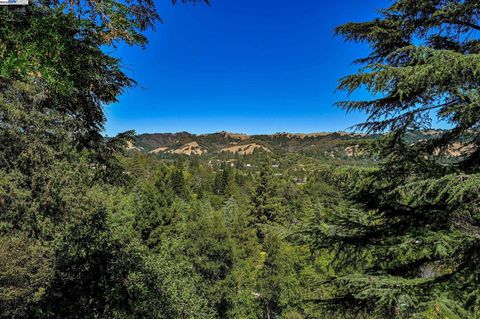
(116,20)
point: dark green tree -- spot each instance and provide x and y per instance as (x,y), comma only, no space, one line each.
(60,253)
(219,183)
(267,207)
(210,248)
(61,56)
(224,182)
(178,182)
(242,292)
(405,245)
(423,63)
(278,282)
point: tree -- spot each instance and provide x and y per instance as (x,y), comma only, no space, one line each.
(61,57)
(160,282)
(266,203)
(404,243)
(26,273)
(210,248)
(53,216)
(56,45)
(178,182)
(221,180)
(424,60)
(60,254)
(224,182)
(278,283)
(242,295)
(115,20)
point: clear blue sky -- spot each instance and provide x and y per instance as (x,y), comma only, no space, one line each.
(241,65)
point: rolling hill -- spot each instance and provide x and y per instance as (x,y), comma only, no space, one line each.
(325,144)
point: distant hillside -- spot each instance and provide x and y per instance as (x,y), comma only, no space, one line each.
(325,144)
(337,145)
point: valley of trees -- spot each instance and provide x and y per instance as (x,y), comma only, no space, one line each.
(88,230)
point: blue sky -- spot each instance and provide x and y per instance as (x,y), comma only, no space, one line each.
(244,66)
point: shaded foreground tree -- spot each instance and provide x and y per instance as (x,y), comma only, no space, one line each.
(423,63)
(69,246)
(56,46)
(405,236)
(60,57)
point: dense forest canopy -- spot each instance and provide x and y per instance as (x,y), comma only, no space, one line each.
(91,230)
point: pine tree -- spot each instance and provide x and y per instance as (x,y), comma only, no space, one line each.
(278,282)
(246,251)
(267,207)
(210,248)
(178,182)
(424,60)
(219,184)
(405,242)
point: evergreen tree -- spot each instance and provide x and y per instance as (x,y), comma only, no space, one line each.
(246,254)
(178,182)
(405,246)
(210,247)
(150,212)
(266,203)
(278,282)
(42,48)
(423,61)
(224,180)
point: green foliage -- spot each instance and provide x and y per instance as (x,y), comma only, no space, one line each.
(404,236)
(86,232)
(279,280)
(26,273)
(70,243)
(415,243)
(266,202)
(114,21)
(60,57)
(424,60)
(239,274)
(409,235)
(211,251)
